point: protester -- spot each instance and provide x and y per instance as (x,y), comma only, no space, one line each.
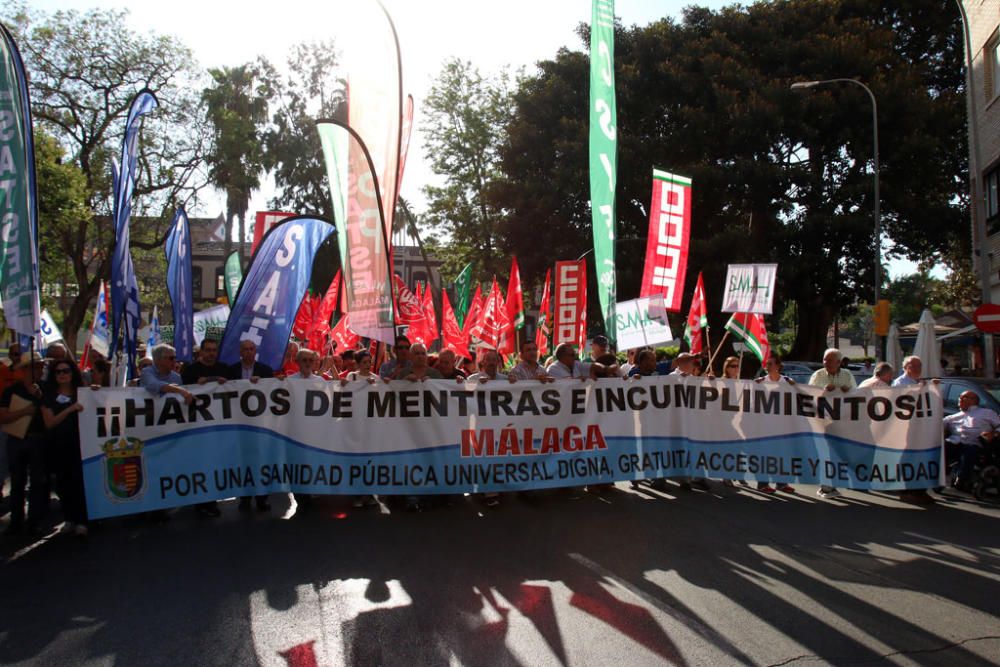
(363,371)
(400,365)
(663,365)
(645,364)
(60,413)
(599,346)
(288,364)
(306,361)
(99,374)
(773,375)
(831,377)
(630,361)
(880,379)
(567,365)
(489,369)
(248,368)
(8,377)
(469,367)
(684,364)
(528,367)
(161,378)
(968,428)
(348,363)
(913,367)
(446,366)
(605,366)
(419,369)
(207,368)
(26,453)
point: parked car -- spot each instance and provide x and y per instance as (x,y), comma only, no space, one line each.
(953,387)
(800,371)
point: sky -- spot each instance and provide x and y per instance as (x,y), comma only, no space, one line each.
(491,35)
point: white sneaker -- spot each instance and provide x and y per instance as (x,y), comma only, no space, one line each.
(827,493)
(81,530)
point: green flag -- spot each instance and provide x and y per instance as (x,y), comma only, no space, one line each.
(603,155)
(463,287)
(234,276)
(18,206)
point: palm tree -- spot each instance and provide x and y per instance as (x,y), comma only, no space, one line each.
(236,107)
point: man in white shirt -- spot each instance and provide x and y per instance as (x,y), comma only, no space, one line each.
(489,369)
(529,368)
(913,367)
(307,360)
(567,365)
(832,377)
(965,428)
(881,379)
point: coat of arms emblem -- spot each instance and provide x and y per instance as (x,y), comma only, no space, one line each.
(124,468)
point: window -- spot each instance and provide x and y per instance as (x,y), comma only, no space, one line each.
(196,281)
(991,182)
(991,72)
(220,281)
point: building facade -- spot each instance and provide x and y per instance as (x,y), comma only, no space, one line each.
(984,35)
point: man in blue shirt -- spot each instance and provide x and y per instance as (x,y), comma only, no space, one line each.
(912,369)
(161,378)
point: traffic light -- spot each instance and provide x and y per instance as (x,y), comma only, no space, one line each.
(882,317)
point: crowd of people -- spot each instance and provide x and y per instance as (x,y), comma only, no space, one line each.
(39,405)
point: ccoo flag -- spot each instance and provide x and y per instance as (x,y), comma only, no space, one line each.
(18,200)
(178,251)
(270,295)
(603,155)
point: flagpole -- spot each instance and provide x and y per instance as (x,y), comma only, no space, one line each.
(716,353)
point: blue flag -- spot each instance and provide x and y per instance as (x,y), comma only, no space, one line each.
(178,250)
(123,301)
(272,290)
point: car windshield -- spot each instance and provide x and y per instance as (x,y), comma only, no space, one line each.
(994,391)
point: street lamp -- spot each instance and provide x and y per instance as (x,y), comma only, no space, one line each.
(802,85)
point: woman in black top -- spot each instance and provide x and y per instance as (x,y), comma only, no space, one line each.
(60,411)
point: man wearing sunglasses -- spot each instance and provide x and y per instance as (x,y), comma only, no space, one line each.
(400,366)
(161,378)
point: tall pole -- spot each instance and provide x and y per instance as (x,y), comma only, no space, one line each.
(877,214)
(976,193)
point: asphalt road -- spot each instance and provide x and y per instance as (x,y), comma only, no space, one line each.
(629,578)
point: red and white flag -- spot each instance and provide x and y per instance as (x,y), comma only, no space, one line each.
(491,323)
(667,245)
(475,312)
(430,316)
(411,312)
(453,337)
(544,327)
(697,318)
(515,297)
(749,328)
(570,316)
(344,337)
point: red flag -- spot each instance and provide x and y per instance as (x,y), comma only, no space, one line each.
(515,297)
(475,312)
(697,317)
(507,330)
(330,300)
(306,316)
(342,334)
(749,327)
(491,322)
(453,337)
(430,316)
(411,312)
(667,245)
(544,327)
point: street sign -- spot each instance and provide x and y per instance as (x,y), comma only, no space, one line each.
(987,318)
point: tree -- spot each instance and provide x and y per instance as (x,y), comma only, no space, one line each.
(84,69)
(467,114)
(236,108)
(311,90)
(778,175)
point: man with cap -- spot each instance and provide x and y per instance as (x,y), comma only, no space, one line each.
(684,366)
(26,453)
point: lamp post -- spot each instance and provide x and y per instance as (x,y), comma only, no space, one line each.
(877,217)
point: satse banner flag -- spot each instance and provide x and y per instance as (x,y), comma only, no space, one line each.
(749,288)
(667,244)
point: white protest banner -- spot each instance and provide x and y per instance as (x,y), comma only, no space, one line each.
(216,316)
(142,453)
(749,288)
(641,323)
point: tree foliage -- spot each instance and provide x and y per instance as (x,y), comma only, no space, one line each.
(84,69)
(467,114)
(779,175)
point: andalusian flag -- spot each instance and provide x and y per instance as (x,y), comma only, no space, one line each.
(697,318)
(463,293)
(749,327)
